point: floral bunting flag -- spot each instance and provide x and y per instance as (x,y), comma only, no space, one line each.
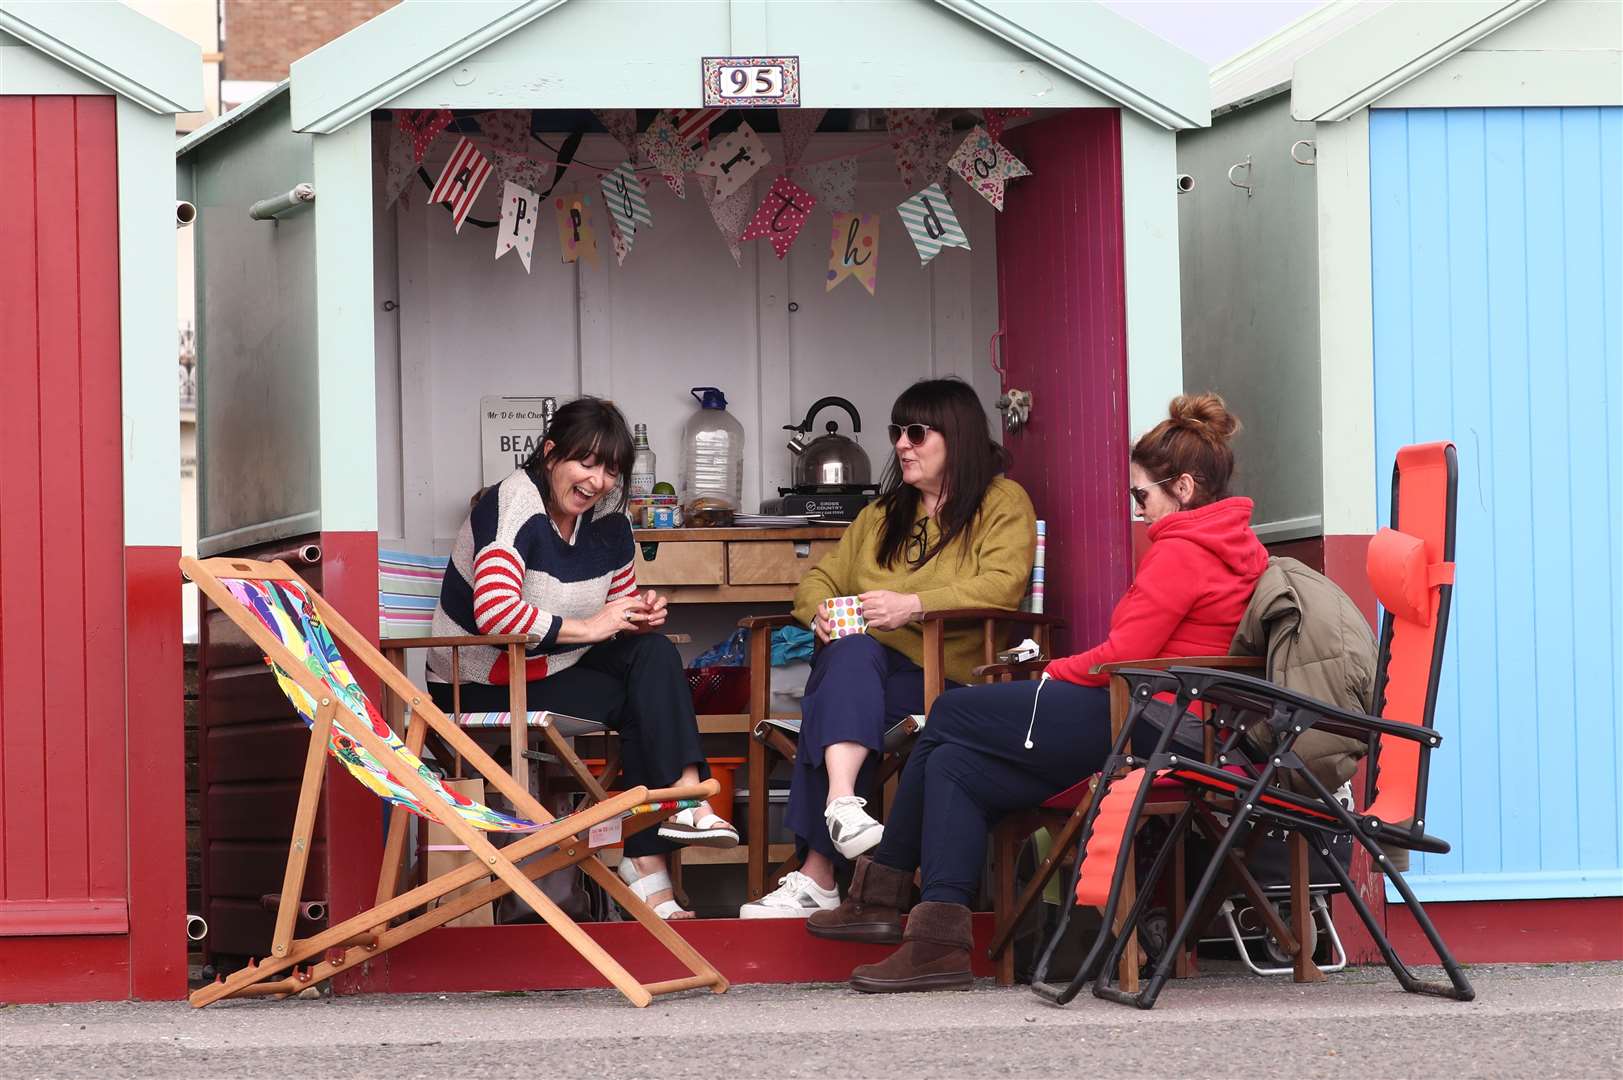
(401,169)
(663,147)
(622,243)
(922,142)
(520,169)
(996,118)
(833,182)
(730,214)
(781,214)
(622,124)
(986,165)
(627,201)
(507,129)
(575,233)
(733,159)
(517,230)
(854,250)
(424,126)
(931,223)
(797,126)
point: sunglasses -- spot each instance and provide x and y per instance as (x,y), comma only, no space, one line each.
(916,433)
(1141,496)
(918,548)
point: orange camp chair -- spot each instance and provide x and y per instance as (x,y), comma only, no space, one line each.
(299,632)
(1411,566)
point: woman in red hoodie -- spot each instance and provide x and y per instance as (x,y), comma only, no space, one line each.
(990,750)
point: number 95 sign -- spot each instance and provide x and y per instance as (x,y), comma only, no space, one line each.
(744,82)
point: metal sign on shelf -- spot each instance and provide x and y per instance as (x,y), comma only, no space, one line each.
(751,82)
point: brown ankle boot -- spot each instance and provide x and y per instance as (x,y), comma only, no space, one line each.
(934,954)
(872,911)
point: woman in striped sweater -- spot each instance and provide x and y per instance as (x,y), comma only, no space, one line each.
(547,552)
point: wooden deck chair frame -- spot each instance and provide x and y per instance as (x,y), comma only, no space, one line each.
(363,936)
(770,743)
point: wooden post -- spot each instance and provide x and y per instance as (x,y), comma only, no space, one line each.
(304,820)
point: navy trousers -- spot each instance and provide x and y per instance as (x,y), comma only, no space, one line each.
(858,689)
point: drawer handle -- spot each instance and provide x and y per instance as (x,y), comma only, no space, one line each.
(802,549)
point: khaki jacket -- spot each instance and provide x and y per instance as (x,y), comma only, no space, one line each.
(1318,643)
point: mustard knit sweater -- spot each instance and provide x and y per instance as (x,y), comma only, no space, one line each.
(988,566)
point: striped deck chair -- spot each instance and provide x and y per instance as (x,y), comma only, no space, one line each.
(299,633)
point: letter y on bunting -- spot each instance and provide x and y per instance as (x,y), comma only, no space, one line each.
(518,222)
(931,223)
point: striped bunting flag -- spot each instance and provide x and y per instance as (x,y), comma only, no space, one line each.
(627,201)
(459,183)
(931,223)
(692,124)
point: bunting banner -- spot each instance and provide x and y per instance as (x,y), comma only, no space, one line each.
(986,165)
(931,223)
(461,180)
(730,214)
(797,126)
(833,182)
(922,143)
(424,126)
(662,147)
(507,129)
(854,250)
(401,169)
(781,214)
(996,118)
(575,234)
(622,124)
(517,231)
(620,241)
(694,124)
(733,159)
(520,169)
(627,201)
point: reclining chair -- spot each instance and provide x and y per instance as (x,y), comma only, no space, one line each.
(1411,568)
(299,632)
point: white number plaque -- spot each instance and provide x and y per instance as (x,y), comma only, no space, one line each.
(751,82)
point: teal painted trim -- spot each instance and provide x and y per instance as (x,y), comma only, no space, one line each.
(221,124)
(1539,885)
(26,70)
(147,302)
(115,46)
(1149,220)
(346,391)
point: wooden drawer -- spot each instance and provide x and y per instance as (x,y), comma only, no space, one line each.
(773,562)
(683,563)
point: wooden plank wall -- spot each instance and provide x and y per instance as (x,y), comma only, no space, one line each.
(63,792)
(1063,302)
(1497,247)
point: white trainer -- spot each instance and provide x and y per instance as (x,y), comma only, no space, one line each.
(850,827)
(796,897)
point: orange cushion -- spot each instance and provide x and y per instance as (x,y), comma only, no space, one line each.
(1397,568)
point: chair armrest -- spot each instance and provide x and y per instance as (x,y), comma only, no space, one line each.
(1013,615)
(1333,718)
(764,622)
(1163,663)
(1024,667)
(495,641)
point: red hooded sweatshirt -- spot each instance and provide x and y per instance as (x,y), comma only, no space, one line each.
(1189,594)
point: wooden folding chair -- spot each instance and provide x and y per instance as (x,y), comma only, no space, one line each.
(299,632)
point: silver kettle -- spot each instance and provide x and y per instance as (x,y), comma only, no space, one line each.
(831,459)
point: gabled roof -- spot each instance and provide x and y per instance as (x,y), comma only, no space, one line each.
(115,46)
(1265,68)
(229,120)
(412,42)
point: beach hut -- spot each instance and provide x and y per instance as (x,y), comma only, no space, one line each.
(355,340)
(1406,226)
(92,822)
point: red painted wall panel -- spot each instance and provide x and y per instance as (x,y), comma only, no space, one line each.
(1062,297)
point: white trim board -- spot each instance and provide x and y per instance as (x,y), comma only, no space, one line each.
(115,47)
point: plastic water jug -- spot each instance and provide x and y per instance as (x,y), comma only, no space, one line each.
(712,461)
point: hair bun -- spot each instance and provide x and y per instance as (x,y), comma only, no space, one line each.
(1204,414)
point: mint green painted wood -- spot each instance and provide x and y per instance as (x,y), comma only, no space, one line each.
(115,47)
(1149,215)
(856,53)
(26,70)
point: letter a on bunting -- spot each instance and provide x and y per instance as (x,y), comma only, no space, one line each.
(518,222)
(461,180)
(931,223)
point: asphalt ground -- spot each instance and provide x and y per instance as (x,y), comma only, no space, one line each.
(1527,1021)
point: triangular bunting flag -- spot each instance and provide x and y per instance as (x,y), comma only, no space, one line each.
(622,242)
(507,129)
(623,194)
(575,234)
(733,159)
(922,143)
(662,146)
(931,223)
(424,126)
(694,124)
(461,180)
(986,165)
(833,182)
(401,169)
(797,126)
(781,214)
(854,250)
(622,124)
(520,169)
(996,118)
(517,231)
(730,214)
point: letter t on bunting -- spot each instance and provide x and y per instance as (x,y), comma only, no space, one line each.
(518,222)
(854,250)
(931,223)
(781,214)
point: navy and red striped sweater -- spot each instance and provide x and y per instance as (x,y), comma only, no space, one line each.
(512,573)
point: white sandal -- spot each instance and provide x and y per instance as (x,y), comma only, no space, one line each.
(646,885)
(687,827)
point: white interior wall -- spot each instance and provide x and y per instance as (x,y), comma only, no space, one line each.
(678,314)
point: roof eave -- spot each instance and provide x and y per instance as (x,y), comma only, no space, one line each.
(223,123)
(153,61)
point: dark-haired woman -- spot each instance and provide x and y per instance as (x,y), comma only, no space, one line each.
(946,532)
(546,552)
(990,750)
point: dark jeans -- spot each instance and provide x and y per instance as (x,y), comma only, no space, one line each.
(858,689)
(636,685)
(971,766)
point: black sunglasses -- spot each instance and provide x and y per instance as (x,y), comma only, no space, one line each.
(916,433)
(1141,496)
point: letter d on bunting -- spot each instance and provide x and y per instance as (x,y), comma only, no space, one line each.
(931,223)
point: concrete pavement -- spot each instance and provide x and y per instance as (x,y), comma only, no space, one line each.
(1548,1021)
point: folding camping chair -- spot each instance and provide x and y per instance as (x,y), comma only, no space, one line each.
(298,632)
(1411,566)
(774,738)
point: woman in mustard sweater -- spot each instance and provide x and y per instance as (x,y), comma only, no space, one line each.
(947,531)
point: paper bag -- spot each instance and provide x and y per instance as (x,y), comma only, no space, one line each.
(445,853)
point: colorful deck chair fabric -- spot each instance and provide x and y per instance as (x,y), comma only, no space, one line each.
(287,612)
